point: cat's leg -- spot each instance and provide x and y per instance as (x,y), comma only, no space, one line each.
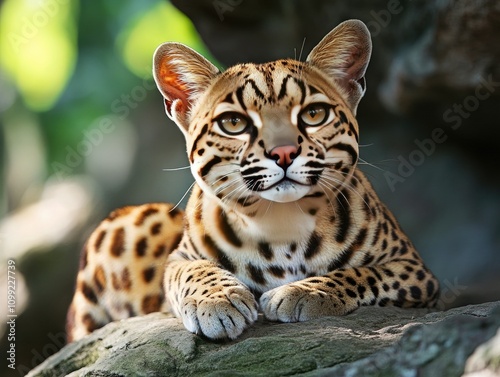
(210,300)
(401,282)
(121,267)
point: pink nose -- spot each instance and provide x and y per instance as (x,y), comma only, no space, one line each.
(284,154)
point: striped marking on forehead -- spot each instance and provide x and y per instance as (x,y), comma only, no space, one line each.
(260,87)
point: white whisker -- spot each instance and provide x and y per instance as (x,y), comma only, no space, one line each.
(329,177)
(183,196)
(363,162)
(177,169)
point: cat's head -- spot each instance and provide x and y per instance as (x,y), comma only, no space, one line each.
(278,131)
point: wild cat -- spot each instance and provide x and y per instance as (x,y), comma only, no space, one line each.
(279,220)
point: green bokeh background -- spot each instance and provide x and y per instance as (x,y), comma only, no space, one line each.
(79,112)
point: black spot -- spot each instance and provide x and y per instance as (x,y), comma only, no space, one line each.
(209,165)
(394,250)
(151,303)
(385,228)
(282,91)
(404,249)
(330,284)
(227,230)
(256,274)
(402,295)
(430,288)
(360,239)
(315,195)
(144,215)
(367,259)
(303,269)
(344,220)
(219,255)
(313,246)
(350,280)
(351,293)
(160,249)
(313,211)
(384,301)
(415,292)
(377,234)
(156,229)
(420,275)
(341,260)
(99,239)
(376,273)
(388,272)
(196,141)
(118,242)
(346,148)
(89,293)
(384,244)
(277,271)
(228,98)
(265,250)
(148,274)
(141,247)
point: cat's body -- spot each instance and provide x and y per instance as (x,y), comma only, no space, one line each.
(279,216)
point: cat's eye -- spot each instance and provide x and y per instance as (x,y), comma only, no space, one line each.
(232,123)
(316,115)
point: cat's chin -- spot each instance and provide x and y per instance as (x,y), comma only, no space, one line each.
(285,192)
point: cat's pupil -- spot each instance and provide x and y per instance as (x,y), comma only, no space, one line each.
(313,113)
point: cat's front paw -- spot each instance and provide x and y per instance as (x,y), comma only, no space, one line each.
(295,303)
(225,315)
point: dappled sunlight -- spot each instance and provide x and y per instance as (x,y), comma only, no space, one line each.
(161,23)
(63,208)
(38,48)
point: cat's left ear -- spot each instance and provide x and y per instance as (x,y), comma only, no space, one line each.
(181,75)
(344,54)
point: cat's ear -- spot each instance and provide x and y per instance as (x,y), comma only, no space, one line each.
(344,54)
(181,75)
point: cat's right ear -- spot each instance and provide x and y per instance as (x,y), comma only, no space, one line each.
(181,75)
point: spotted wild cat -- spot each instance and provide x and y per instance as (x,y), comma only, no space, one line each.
(280,219)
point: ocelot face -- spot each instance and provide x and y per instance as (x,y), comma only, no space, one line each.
(278,132)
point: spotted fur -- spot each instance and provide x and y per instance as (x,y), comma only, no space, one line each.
(280,218)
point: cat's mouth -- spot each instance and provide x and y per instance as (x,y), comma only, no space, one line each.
(284,191)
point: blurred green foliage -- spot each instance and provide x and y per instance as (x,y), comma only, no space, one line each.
(37,48)
(65,64)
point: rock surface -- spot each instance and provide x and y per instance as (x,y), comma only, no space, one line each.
(369,342)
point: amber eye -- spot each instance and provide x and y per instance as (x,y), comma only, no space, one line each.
(315,115)
(232,123)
